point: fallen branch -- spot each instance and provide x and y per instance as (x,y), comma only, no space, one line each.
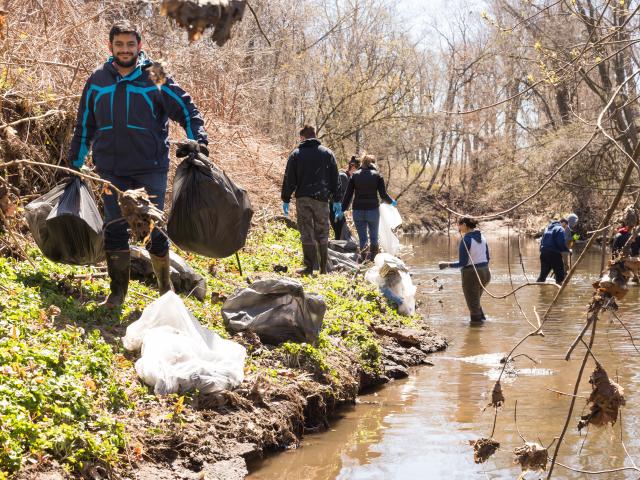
(50,113)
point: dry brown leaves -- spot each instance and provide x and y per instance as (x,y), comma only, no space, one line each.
(7,203)
(605,400)
(483,448)
(531,456)
(158,73)
(497,398)
(196,16)
(141,214)
(3,19)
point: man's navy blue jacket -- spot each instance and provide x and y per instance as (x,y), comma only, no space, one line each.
(553,238)
(124,120)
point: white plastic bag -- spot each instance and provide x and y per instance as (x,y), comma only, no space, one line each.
(179,354)
(397,288)
(390,219)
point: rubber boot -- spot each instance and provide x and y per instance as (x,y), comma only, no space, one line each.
(309,254)
(373,251)
(325,266)
(118,266)
(363,254)
(162,271)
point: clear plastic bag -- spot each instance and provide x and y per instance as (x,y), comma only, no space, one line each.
(390,219)
(179,354)
(391,275)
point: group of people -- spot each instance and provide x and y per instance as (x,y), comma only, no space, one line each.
(323,195)
(123,119)
(473,258)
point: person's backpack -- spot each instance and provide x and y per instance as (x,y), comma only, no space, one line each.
(210,214)
(66,224)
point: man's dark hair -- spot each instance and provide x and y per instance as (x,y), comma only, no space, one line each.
(124,27)
(308,132)
(564,220)
(354,161)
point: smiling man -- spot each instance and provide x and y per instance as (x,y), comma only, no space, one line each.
(123,118)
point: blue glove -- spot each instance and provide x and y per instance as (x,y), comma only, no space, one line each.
(394,203)
(285,208)
(337,210)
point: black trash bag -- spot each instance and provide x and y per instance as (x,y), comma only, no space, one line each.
(183,277)
(342,262)
(276,310)
(210,214)
(66,224)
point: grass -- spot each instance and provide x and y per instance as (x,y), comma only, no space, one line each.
(65,382)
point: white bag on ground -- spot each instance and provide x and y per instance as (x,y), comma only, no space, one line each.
(391,275)
(179,354)
(390,219)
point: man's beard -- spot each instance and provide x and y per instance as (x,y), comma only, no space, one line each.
(128,64)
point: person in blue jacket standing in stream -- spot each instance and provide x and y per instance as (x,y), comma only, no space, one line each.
(473,262)
(552,246)
(123,118)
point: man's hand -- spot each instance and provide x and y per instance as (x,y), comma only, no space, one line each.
(204,149)
(285,208)
(443,265)
(187,148)
(337,211)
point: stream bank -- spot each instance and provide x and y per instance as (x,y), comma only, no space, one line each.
(71,386)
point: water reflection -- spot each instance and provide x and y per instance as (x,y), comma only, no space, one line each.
(420,428)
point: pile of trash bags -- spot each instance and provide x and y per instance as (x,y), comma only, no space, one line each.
(183,277)
(66,224)
(391,275)
(210,214)
(390,219)
(277,310)
(178,354)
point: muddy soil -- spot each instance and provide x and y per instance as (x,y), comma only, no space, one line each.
(266,414)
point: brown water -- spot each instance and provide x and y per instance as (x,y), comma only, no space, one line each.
(419,428)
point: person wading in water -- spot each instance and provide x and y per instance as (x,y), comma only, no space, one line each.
(473,262)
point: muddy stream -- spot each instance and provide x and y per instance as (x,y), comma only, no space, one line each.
(419,428)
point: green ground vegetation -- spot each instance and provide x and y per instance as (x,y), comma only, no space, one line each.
(66,382)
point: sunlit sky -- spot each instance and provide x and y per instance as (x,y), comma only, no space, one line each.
(421,15)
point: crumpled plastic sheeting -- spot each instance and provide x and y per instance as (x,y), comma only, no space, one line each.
(178,354)
(391,275)
(277,310)
(390,219)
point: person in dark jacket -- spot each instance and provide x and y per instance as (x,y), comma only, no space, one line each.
(364,187)
(338,222)
(312,174)
(473,262)
(123,119)
(623,239)
(552,245)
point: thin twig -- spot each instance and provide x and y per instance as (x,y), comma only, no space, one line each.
(515,420)
(255,17)
(598,472)
(565,394)
(50,113)
(573,400)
